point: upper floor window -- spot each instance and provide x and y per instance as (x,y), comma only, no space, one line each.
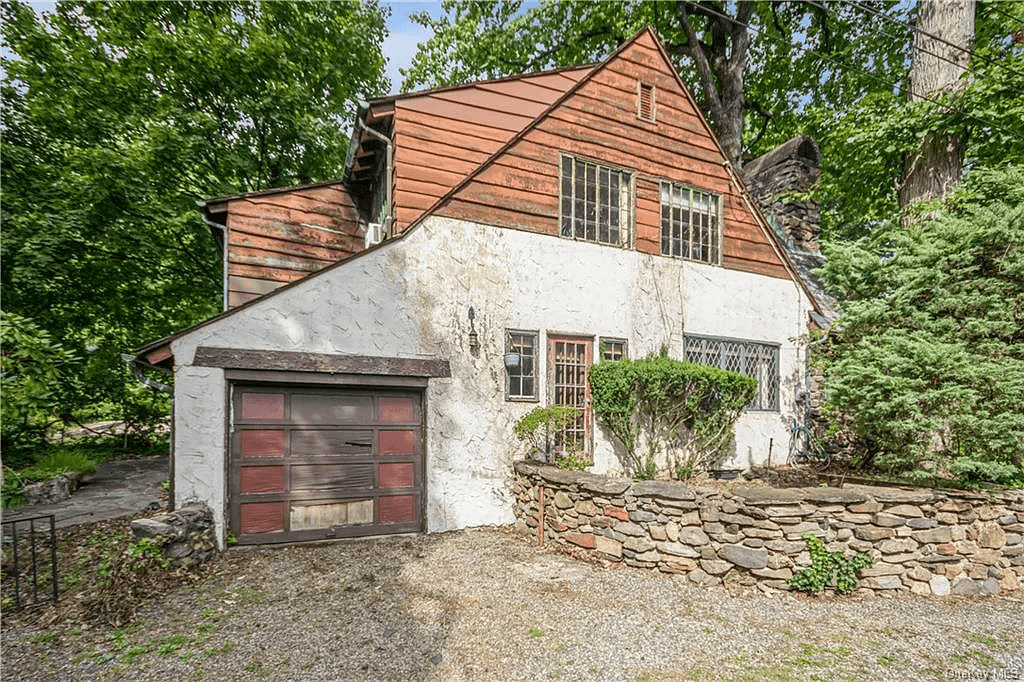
(597,202)
(759,361)
(690,223)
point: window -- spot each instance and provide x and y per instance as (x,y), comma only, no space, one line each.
(645,101)
(757,360)
(613,349)
(597,202)
(690,223)
(520,365)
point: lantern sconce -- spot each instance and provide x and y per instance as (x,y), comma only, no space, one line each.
(511,361)
(474,338)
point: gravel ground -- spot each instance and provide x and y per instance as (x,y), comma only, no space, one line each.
(489,605)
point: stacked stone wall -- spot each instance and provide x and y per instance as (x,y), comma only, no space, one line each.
(185,536)
(928,542)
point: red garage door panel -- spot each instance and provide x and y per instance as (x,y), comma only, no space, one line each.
(309,463)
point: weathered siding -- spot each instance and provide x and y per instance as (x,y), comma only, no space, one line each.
(277,238)
(442,136)
(599,121)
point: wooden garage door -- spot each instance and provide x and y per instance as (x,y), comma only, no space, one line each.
(308,464)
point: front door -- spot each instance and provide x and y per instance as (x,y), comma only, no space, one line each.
(569,360)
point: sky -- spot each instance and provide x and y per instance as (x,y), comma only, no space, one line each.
(404,36)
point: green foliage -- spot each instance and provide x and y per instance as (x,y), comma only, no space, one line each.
(118,117)
(32,365)
(828,569)
(540,426)
(929,366)
(660,408)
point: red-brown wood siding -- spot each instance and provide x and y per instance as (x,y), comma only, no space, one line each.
(599,121)
(441,137)
(274,239)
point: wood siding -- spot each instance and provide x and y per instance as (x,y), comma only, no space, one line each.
(277,238)
(442,136)
(599,121)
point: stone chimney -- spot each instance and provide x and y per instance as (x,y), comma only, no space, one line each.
(776,182)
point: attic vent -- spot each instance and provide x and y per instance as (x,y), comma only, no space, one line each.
(645,110)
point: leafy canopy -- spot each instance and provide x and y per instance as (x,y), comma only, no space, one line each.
(119,116)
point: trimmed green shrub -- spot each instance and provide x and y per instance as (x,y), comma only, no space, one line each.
(660,408)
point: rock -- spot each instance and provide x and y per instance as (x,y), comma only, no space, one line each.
(882,582)
(988,513)
(642,516)
(587,508)
(895,546)
(939,585)
(834,495)
(608,546)
(663,489)
(888,520)
(657,532)
(936,535)
(715,566)
(919,524)
(947,518)
(581,540)
(946,549)
(894,496)
(773,573)
(627,528)
(854,518)
(672,531)
(1009,581)
(638,545)
(616,513)
(905,510)
(866,508)
(177,550)
(965,586)
(1014,539)
(700,577)
(747,557)
(650,556)
(763,497)
(872,534)
(678,549)
(602,485)
(690,518)
(919,588)
(991,535)
(558,476)
(920,574)
(762,533)
(881,568)
(690,535)
(151,528)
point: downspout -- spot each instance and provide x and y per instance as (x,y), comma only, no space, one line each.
(137,366)
(389,163)
(223,251)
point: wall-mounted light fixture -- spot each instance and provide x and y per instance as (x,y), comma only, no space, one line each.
(474,339)
(512,361)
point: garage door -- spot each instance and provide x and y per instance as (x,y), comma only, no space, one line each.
(309,464)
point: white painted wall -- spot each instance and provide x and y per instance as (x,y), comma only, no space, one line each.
(411,297)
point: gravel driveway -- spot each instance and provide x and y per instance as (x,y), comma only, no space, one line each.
(489,605)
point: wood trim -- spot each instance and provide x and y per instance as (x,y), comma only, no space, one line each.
(279,377)
(242,358)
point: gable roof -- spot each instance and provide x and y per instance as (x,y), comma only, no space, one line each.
(380,109)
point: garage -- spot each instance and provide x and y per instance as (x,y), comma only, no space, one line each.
(311,463)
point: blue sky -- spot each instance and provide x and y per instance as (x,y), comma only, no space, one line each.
(404,36)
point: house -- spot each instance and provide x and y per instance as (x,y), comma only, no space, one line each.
(488,243)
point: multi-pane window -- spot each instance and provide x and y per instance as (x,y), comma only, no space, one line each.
(757,360)
(597,202)
(520,365)
(690,223)
(613,349)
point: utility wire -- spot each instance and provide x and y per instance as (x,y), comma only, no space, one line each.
(970,53)
(901,90)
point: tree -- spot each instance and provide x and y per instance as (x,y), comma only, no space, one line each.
(929,367)
(713,48)
(942,45)
(119,116)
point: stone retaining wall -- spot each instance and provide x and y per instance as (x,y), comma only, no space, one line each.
(185,535)
(928,542)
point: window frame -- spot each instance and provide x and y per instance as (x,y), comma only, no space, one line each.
(520,397)
(715,215)
(612,340)
(774,402)
(626,208)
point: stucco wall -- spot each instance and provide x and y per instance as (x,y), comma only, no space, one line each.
(410,298)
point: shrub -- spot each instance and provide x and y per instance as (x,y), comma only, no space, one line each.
(539,427)
(669,410)
(929,367)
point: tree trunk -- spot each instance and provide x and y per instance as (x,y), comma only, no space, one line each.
(935,168)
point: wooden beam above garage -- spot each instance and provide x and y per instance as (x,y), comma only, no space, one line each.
(241,358)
